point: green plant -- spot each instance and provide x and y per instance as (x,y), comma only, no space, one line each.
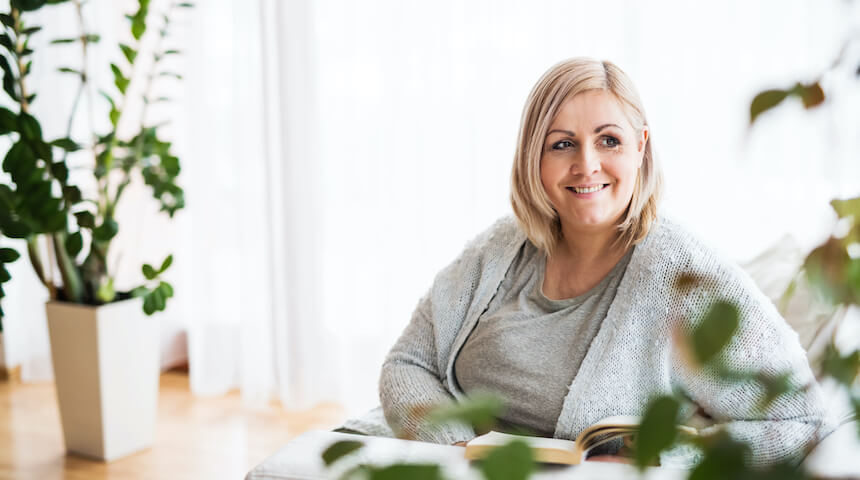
(63,227)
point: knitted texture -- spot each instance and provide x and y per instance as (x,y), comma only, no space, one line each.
(632,357)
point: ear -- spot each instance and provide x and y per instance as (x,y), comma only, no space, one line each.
(642,142)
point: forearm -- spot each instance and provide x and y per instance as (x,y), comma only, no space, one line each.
(407,392)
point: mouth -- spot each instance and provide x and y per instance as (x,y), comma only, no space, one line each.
(588,189)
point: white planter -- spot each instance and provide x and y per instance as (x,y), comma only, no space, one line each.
(106,372)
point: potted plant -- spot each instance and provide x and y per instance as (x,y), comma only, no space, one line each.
(105,350)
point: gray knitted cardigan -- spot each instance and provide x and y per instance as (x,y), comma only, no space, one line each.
(631,358)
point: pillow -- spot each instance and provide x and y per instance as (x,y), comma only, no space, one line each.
(814,320)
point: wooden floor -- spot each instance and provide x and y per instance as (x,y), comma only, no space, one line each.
(196,437)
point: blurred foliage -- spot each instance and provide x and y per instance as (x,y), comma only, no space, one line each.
(657,430)
(61,227)
(481,412)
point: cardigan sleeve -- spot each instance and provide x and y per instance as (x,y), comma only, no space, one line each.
(414,373)
(411,382)
(763,343)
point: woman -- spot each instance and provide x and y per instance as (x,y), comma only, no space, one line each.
(567,310)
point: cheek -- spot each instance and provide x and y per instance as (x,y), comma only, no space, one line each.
(548,174)
(625,172)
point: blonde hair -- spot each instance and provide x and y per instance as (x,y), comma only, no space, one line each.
(531,204)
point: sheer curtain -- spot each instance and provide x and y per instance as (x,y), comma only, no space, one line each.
(339,154)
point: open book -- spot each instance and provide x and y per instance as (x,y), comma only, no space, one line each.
(556,450)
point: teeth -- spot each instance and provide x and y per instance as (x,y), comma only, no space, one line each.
(587,189)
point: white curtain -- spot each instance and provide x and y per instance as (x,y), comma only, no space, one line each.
(338,154)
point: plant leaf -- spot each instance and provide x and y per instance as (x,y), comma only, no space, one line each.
(8,78)
(404,471)
(166,263)
(58,41)
(137,27)
(60,171)
(66,144)
(812,95)
(106,231)
(27,5)
(8,121)
(8,255)
(29,126)
(149,303)
(166,289)
(72,194)
(74,244)
(70,70)
(715,330)
(774,386)
(158,299)
(130,53)
(479,411)
(6,42)
(513,461)
(339,449)
(657,431)
(724,458)
(846,208)
(842,369)
(85,219)
(148,271)
(765,101)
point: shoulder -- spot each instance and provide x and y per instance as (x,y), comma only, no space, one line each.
(673,244)
(712,274)
(487,250)
(672,252)
(502,235)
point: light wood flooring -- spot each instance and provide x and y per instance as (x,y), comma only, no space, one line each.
(196,437)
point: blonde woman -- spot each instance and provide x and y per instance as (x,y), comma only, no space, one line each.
(566,309)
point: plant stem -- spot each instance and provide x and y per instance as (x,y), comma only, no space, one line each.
(16,16)
(72,284)
(36,262)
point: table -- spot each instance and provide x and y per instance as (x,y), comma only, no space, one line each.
(301,459)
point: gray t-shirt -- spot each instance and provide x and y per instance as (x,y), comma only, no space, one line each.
(527,348)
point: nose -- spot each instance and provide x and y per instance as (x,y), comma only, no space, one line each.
(586,162)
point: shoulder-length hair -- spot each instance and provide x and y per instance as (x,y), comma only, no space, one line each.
(531,204)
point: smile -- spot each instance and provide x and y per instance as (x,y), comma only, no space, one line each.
(591,189)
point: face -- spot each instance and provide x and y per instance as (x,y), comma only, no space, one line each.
(590,161)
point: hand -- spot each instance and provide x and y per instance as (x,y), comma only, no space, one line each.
(460,444)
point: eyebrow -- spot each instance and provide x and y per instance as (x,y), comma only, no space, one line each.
(596,130)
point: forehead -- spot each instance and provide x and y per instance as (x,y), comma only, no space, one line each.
(591,108)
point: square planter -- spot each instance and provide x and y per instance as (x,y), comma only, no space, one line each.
(106,371)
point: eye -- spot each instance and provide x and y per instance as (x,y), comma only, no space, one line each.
(610,142)
(562,145)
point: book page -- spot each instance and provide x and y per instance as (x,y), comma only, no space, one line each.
(497,438)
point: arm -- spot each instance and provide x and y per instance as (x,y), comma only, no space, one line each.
(763,343)
(411,382)
(413,374)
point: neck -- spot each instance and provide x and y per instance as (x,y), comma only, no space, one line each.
(587,247)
